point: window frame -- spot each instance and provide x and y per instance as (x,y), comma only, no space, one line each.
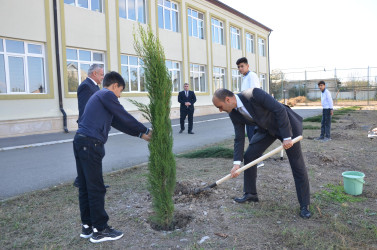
(79,62)
(89,5)
(262,46)
(198,20)
(171,10)
(199,72)
(219,75)
(218,27)
(250,40)
(263,81)
(236,35)
(25,56)
(136,11)
(139,66)
(175,70)
(236,74)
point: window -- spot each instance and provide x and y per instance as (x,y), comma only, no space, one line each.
(263,82)
(133,73)
(217,31)
(132,10)
(95,5)
(236,80)
(249,43)
(175,74)
(262,47)
(198,77)
(219,77)
(195,23)
(168,15)
(22,67)
(78,63)
(235,38)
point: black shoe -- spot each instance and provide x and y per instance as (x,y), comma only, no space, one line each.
(191,133)
(247,197)
(180,131)
(105,235)
(107,186)
(86,231)
(76,182)
(304,212)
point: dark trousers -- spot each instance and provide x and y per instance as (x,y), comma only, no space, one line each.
(89,153)
(186,112)
(250,130)
(259,143)
(326,123)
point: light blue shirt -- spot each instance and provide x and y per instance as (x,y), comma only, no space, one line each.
(326,99)
(250,80)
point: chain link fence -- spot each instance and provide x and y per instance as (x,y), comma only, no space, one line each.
(353,86)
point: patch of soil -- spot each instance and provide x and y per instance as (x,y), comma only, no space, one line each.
(180,220)
(353,125)
(186,191)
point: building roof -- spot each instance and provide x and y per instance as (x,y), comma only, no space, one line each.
(237,13)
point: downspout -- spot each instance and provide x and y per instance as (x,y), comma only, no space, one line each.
(269,70)
(58,67)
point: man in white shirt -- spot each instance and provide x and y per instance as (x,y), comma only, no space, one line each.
(327,105)
(249,80)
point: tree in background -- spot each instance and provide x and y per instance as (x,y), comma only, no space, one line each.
(162,168)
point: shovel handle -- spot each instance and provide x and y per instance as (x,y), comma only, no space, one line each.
(256,161)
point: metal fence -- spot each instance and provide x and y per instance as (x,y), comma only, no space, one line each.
(347,86)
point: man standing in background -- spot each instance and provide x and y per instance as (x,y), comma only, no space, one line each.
(187,99)
(249,80)
(86,89)
(327,105)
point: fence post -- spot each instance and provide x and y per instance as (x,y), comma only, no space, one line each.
(336,87)
(368,87)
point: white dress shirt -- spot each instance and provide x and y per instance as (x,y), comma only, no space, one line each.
(250,80)
(326,99)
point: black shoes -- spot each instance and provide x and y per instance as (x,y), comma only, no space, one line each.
(247,197)
(105,235)
(86,231)
(191,133)
(180,131)
(304,212)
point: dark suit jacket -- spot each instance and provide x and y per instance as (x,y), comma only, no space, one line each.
(271,117)
(182,99)
(86,89)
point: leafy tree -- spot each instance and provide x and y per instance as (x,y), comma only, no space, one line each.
(162,167)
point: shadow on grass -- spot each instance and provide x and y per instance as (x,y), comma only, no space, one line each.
(337,113)
(211,152)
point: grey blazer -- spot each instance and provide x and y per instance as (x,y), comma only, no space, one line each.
(269,115)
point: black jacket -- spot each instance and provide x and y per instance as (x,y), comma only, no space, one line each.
(182,99)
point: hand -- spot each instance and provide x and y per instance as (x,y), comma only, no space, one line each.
(187,103)
(148,136)
(332,112)
(233,171)
(287,144)
(374,130)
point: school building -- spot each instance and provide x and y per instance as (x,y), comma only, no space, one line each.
(47,46)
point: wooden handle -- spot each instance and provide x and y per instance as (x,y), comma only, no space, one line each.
(256,161)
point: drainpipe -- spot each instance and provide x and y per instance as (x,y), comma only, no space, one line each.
(269,70)
(58,67)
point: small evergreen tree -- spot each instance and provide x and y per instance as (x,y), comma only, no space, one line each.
(162,168)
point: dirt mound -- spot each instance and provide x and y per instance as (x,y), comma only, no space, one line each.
(315,158)
(353,125)
(186,191)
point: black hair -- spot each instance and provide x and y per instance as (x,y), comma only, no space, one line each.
(113,77)
(321,82)
(221,94)
(242,60)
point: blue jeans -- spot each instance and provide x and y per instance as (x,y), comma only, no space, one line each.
(89,153)
(326,123)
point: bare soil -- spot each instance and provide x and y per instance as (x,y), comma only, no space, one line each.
(211,219)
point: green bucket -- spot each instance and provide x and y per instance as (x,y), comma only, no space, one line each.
(353,182)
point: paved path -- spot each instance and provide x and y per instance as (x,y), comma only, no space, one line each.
(39,161)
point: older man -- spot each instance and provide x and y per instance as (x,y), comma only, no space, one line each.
(275,121)
(86,89)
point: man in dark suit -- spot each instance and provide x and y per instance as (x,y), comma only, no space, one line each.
(187,99)
(88,146)
(86,89)
(274,121)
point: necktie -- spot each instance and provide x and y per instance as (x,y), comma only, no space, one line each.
(186,93)
(244,114)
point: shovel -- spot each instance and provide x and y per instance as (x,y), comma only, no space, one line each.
(240,170)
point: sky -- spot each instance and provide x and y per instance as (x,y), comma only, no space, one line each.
(310,34)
